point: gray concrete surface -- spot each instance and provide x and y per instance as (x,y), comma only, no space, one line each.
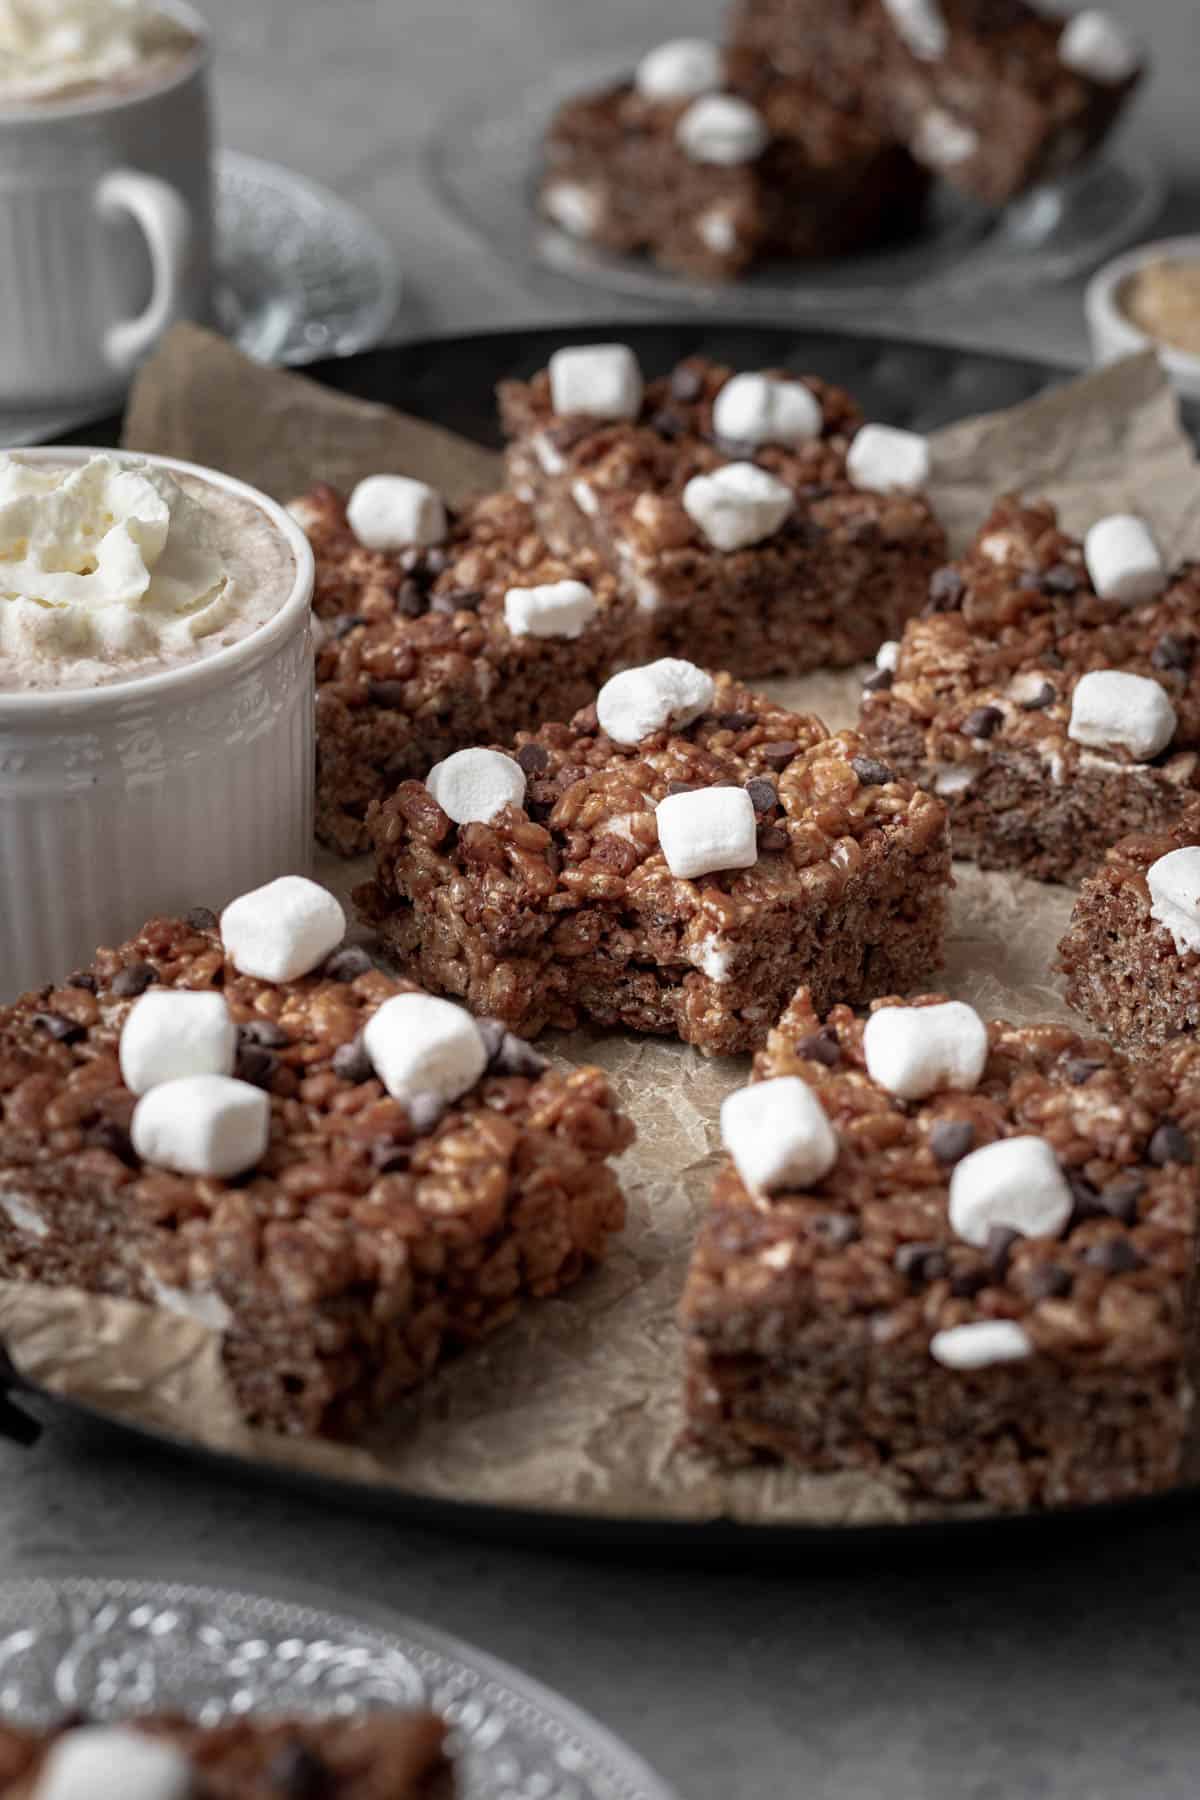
(1062,1669)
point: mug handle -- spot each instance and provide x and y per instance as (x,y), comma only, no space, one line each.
(166,224)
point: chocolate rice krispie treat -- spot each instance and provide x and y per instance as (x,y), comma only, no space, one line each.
(711,162)
(675,860)
(246,1122)
(759,525)
(1050,692)
(378,1756)
(1132,954)
(953,1254)
(438,631)
(991,95)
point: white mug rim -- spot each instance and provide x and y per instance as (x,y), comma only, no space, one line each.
(55,703)
(31,113)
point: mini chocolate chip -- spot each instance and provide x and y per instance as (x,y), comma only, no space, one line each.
(63,1031)
(462,600)
(814,490)
(863,531)
(879,681)
(1045,696)
(945,590)
(516,1057)
(982,722)
(736,449)
(1052,659)
(804,531)
(950,1140)
(1048,1281)
(350,1062)
(388,1157)
(412,561)
(255,1065)
(1086,1197)
(668,423)
(425,1112)
(435,561)
(821,1047)
(347,964)
(1170,1145)
(1000,1240)
(1060,578)
(107,1135)
(134,980)
(837,1229)
(344,624)
(779,755)
(1079,1069)
(1030,581)
(966,1283)
(763,793)
(871,772)
(300,1774)
(493,1032)
(772,839)
(1115,1257)
(585,722)
(1120,1198)
(265,1032)
(1173,652)
(410,599)
(84,979)
(737,721)
(920,1263)
(533,758)
(385,693)
(686,384)
(680,787)
(201,918)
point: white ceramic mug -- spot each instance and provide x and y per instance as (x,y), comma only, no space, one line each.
(159,793)
(105,230)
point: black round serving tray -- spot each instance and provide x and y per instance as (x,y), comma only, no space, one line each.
(450,381)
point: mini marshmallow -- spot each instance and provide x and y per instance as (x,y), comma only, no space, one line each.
(980,1345)
(885,460)
(1123,560)
(778,1134)
(709,829)
(602,381)
(737,505)
(920,26)
(1174,883)
(203,1125)
(679,70)
(577,209)
(888,655)
(472,786)
(1015,1182)
(913,1051)
(756,409)
(283,930)
(169,1034)
(394,512)
(639,702)
(1110,707)
(421,1045)
(1095,45)
(559,609)
(718,128)
(941,141)
(111,1762)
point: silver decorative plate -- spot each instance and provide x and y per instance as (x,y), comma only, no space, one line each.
(114,1645)
(484,162)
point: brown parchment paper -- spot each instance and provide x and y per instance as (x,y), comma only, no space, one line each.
(576,1405)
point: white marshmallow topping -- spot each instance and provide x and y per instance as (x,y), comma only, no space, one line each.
(394,512)
(472,786)
(602,381)
(709,829)
(778,1134)
(283,930)
(885,460)
(1015,1182)
(680,70)
(202,1125)
(1174,883)
(168,1034)
(737,505)
(637,703)
(421,1045)
(759,409)
(913,1051)
(558,609)
(721,129)
(1111,708)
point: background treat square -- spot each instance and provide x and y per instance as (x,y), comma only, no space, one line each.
(979,704)
(565,910)
(995,110)
(1123,970)
(809,1315)
(828,182)
(363,1247)
(415,659)
(841,575)
(376,1756)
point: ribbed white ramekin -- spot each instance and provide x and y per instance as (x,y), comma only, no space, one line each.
(157,794)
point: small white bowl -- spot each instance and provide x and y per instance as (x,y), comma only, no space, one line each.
(159,793)
(1115,335)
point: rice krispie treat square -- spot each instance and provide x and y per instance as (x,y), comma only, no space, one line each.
(1050,692)
(757,523)
(436,635)
(674,860)
(951,1253)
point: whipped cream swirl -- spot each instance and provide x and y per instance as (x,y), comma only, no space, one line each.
(50,47)
(108,559)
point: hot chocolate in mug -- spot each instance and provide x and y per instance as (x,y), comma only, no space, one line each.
(105,191)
